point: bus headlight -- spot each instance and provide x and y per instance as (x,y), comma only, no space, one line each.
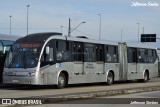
(32,74)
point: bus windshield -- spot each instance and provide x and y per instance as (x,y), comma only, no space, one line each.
(23,55)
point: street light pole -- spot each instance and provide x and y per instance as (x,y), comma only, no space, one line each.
(77,27)
(27,18)
(138,31)
(10,24)
(99,26)
(69,28)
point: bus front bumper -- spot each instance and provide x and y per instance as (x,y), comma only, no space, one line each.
(20,80)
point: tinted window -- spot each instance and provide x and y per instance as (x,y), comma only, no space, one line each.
(77,52)
(132,55)
(142,55)
(48,59)
(112,54)
(151,56)
(89,53)
(63,50)
(99,53)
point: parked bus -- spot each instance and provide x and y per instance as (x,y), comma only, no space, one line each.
(5,42)
(53,59)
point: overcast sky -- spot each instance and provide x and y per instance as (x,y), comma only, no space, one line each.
(50,15)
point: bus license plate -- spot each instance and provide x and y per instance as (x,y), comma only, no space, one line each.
(15,81)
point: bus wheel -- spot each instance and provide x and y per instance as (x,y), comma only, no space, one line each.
(110,78)
(146,77)
(61,81)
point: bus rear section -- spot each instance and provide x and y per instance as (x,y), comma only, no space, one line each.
(137,62)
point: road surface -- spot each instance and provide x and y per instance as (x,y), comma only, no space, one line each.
(145,97)
(51,91)
(78,91)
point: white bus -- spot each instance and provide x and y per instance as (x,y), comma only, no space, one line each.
(53,59)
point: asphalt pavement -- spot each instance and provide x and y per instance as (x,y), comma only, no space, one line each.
(51,95)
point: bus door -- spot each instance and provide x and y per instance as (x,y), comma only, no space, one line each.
(89,62)
(132,63)
(77,55)
(100,69)
(123,71)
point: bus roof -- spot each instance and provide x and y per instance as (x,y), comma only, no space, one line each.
(141,45)
(42,37)
(37,37)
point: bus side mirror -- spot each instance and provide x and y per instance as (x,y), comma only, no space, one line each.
(47,50)
(4,50)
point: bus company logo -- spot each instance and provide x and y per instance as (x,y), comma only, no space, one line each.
(21,101)
(6,101)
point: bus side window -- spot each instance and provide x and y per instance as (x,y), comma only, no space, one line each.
(132,55)
(142,56)
(48,58)
(77,54)
(99,53)
(149,56)
(108,57)
(62,50)
(115,54)
(112,54)
(89,53)
(154,55)
(74,57)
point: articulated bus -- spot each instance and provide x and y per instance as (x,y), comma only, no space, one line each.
(5,42)
(53,59)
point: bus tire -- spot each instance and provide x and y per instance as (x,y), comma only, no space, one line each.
(61,81)
(146,77)
(110,78)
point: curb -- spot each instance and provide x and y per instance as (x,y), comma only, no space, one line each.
(112,92)
(81,96)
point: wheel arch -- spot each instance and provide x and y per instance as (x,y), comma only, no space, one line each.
(65,73)
(112,71)
(147,72)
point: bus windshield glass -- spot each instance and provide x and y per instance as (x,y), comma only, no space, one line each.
(23,55)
